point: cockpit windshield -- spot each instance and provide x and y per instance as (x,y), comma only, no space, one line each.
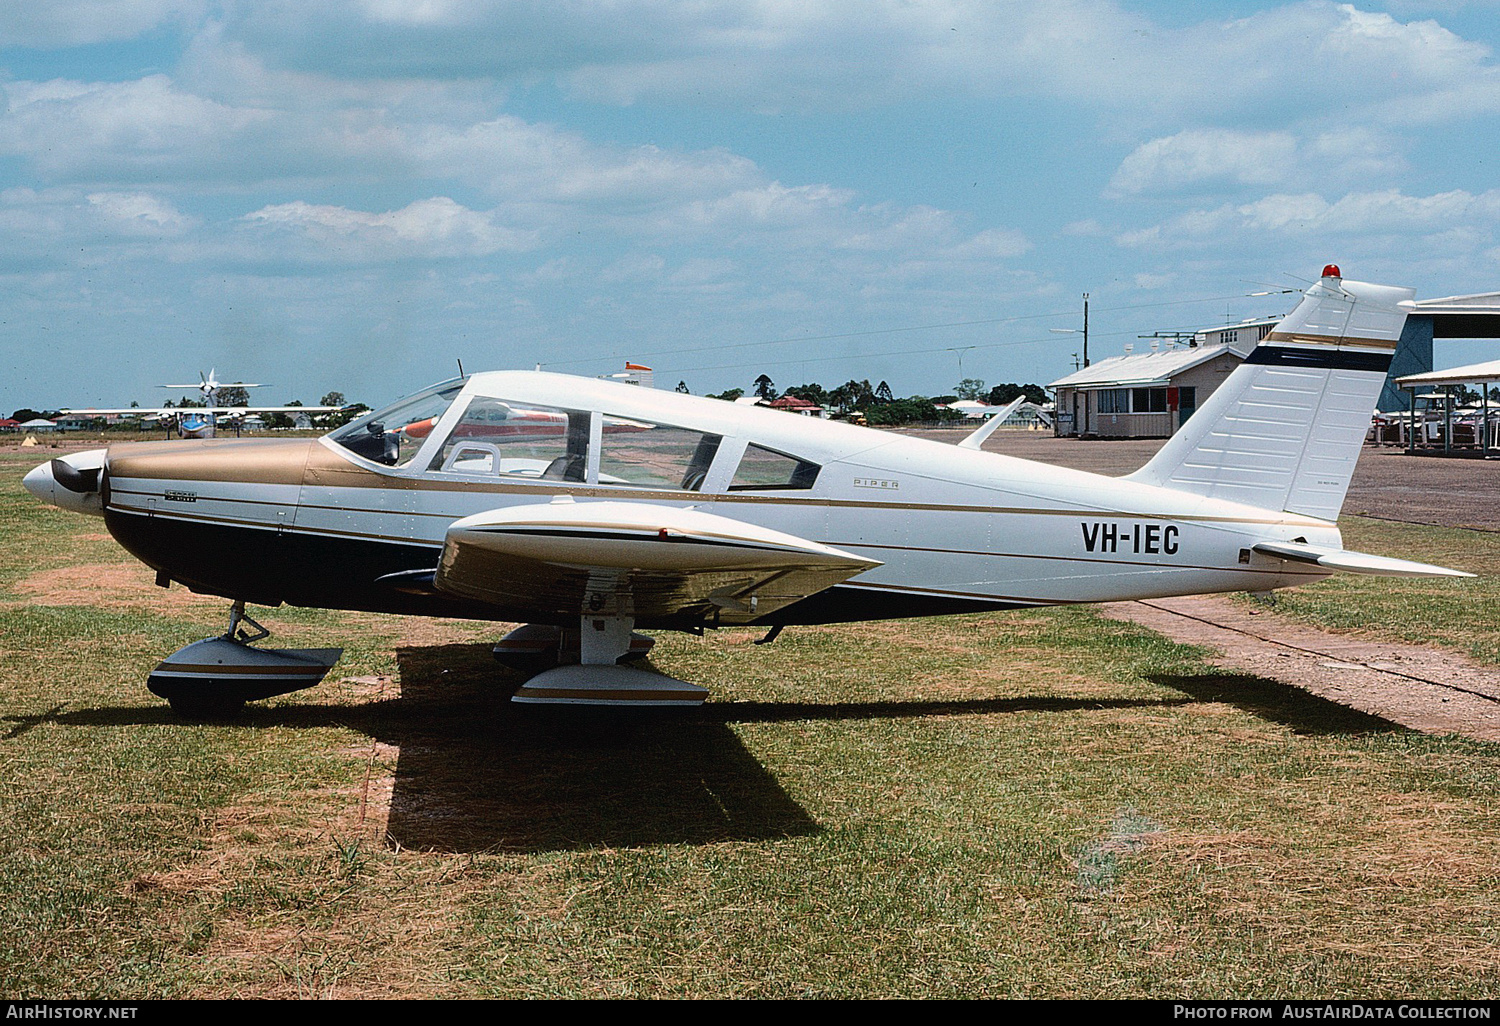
(393,435)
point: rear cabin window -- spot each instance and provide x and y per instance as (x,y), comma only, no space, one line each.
(765,468)
(500,438)
(654,455)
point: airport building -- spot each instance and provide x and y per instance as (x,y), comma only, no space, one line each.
(1152,394)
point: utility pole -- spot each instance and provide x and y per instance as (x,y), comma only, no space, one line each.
(1085,329)
(1080,428)
(1075,331)
(960,350)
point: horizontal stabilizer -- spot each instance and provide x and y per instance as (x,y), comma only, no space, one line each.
(1354,562)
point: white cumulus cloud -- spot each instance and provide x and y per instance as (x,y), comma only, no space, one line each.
(1387,212)
(426,229)
(1217,157)
(55,23)
(776,55)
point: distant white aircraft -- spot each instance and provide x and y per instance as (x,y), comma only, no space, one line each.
(201,421)
(585,509)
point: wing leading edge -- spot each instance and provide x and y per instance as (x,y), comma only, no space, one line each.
(634,560)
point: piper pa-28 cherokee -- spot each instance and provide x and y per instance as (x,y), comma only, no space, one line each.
(585,509)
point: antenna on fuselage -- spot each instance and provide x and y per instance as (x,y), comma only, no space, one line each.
(460,365)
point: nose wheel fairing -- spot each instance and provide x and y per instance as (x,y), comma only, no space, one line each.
(216,676)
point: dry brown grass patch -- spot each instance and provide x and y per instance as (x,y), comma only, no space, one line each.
(113,586)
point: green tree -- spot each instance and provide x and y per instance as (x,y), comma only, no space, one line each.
(332,399)
(728,395)
(682,387)
(969,388)
(812,392)
(1002,394)
(338,418)
(883,393)
(233,395)
(852,395)
(913,410)
(765,388)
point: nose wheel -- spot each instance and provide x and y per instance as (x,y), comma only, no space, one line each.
(215,677)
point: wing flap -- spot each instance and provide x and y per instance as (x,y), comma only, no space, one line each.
(634,559)
(1354,562)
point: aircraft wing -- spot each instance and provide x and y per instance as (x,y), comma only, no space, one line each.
(634,559)
(1354,562)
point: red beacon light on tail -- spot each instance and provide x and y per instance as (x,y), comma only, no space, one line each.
(1331,271)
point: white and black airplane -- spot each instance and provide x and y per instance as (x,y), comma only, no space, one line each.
(585,509)
(202,421)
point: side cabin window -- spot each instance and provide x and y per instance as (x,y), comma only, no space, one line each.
(765,468)
(635,452)
(500,438)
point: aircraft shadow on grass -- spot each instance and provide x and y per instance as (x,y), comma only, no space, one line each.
(1298,710)
(478,773)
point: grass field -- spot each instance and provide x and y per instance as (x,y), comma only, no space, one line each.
(1041,804)
(1457,613)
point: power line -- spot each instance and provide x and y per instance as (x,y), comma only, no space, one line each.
(872,356)
(654,354)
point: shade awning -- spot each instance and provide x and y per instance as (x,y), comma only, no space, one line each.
(1474,372)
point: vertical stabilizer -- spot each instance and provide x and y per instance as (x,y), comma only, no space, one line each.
(1284,430)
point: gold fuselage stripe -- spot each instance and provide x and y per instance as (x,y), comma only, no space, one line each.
(702,498)
(1304,339)
(253,671)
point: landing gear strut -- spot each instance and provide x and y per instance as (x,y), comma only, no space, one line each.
(535,647)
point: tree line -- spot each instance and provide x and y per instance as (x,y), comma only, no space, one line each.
(880,406)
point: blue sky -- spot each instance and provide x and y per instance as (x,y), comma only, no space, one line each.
(353,194)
